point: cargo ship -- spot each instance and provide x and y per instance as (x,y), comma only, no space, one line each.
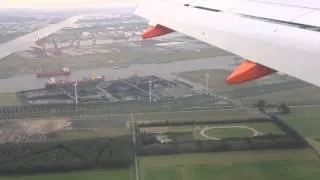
(53,83)
(64,72)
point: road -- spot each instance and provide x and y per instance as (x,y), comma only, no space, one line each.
(135,157)
(27,41)
(29,82)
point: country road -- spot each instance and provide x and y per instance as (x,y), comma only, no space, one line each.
(134,141)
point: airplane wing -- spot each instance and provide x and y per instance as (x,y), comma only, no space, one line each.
(273,35)
(28,41)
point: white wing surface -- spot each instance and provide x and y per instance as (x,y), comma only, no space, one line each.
(274,35)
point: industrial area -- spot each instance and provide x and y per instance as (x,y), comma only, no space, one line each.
(96,89)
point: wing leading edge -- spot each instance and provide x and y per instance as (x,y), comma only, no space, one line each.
(271,43)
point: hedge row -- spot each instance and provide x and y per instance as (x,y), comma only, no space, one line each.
(197,123)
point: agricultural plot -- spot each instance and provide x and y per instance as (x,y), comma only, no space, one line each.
(274,164)
(305,120)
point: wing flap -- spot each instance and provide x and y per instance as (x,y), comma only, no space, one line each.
(248,71)
(155,31)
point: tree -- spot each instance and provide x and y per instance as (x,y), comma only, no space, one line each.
(284,108)
(147,138)
(261,104)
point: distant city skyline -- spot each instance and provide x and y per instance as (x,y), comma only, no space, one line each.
(64,3)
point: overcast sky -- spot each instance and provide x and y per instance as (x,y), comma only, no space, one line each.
(62,3)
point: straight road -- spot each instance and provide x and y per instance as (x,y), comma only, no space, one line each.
(135,157)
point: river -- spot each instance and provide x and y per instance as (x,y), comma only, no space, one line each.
(29,82)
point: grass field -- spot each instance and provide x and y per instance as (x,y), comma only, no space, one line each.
(263,171)
(266,128)
(227,132)
(276,164)
(305,120)
(315,144)
(9,99)
(119,174)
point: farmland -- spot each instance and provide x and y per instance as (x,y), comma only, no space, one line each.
(305,120)
(277,164)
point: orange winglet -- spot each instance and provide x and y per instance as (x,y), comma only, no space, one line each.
(155,31)
(248,71)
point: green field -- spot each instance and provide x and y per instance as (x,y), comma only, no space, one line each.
(121,174)
(228,132)
(305,120)
(285,170)
(277,164)
(264,127)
